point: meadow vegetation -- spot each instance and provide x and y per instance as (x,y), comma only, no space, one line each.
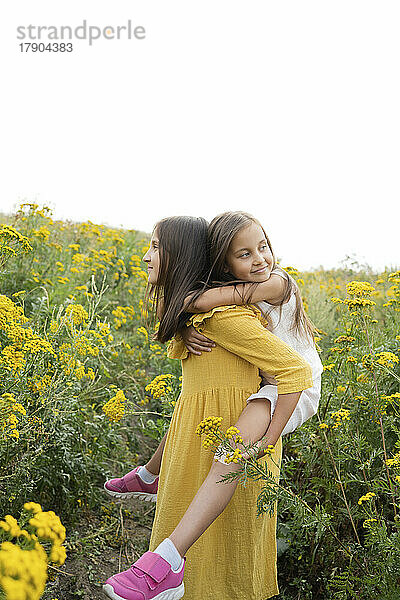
(86,393)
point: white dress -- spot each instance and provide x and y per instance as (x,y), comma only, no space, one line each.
(280,325)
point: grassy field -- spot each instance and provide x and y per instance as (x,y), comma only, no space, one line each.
(78,404)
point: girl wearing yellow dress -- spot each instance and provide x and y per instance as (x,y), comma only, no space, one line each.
(230,553)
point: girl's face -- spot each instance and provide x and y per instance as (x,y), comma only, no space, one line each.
(249,257)
(152,258)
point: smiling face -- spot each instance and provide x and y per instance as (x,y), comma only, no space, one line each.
(249,257)
(152,259)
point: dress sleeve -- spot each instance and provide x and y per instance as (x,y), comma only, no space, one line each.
(239,330)
(177,349)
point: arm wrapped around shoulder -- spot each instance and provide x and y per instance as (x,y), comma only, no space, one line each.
(240,331)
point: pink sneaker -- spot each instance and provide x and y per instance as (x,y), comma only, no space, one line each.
(149,578)
(131,486)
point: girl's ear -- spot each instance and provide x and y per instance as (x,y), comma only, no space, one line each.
(226,270)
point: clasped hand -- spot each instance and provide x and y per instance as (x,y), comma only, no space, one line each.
(196,342)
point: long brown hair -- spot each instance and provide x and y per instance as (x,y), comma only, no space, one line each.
(184,266)
(221,232)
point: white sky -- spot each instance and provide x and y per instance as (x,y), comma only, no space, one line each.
(287,109)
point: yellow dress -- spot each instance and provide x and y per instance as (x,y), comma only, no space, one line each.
(235,558)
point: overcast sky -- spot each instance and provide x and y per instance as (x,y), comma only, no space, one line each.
(286,109)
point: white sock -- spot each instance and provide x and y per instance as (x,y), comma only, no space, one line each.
(146,476)
(169,553)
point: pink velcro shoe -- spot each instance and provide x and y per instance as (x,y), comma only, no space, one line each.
(149,578)
(132,486)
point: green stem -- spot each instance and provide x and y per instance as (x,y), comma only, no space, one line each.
(294,496)
(380,420)
(341,486)
(254,463)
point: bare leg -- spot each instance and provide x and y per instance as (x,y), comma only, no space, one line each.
(213,497)
(153,465)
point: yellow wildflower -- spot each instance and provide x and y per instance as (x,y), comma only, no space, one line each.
(359,288)
(33,507)
(122,314)
(143,331)
(233,433)
(366,498)
(369,522)
(387,359)
(159,387)
(394,461)
(10,526)
(394,276)
(344,339)
(12,239)
(209,424)
(77,314)
(329,367)
(234,456)
(115,407)
(23,573)
(42,233)
(340,416)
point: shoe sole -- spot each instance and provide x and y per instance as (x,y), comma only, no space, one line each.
(172,594)
(126,495)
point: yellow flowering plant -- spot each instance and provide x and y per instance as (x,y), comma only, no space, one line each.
(115,407)
(158,398)
(229,446)
(60,352)
(12,243)
(27,547)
